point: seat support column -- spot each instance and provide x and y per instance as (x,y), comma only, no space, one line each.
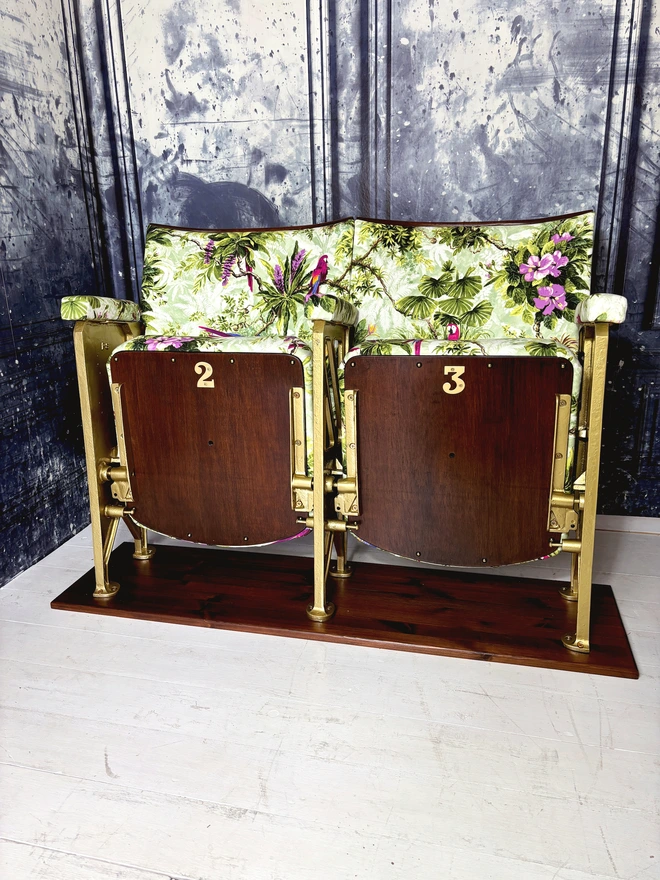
(93,344)
(595,346)
(320,609)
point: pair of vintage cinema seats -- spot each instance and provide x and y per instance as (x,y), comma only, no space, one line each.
(436,388)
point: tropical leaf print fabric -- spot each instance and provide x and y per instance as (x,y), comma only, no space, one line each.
(467,283)
(250,282)
(98,308)
(605,307)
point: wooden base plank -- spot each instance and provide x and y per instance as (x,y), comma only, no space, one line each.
(456,614)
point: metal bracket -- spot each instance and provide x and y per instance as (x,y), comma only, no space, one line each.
(347,500)
(572,642)
(302,496)
(119,476)
(562,516)
(332,525)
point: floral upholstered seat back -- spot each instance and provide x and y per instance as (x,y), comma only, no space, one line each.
(463,283)
(247,282)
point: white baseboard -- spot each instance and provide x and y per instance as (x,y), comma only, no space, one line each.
(644,525)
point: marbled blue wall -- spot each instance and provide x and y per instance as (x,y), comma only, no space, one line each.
(44,254)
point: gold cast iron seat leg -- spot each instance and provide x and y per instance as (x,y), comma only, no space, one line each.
(320,610)
(342,568)
(582,567)
(142,549)
(93,343)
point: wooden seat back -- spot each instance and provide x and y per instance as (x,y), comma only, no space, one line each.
(208,447)
(455,455)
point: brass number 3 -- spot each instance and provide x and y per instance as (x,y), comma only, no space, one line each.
(455,373)
(205,380)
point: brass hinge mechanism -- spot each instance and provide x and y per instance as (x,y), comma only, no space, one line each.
(115,471)
(110,471)
(562,513)
(347,499)
(302,495)
(332,525)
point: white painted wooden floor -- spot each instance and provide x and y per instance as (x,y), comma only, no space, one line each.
(139,750)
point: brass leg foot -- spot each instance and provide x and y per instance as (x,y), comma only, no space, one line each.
(573,644)
(567,592)
(341,569)
(107,591)
(320,615)
(142,549)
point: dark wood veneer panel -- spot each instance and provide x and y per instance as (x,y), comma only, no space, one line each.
(456,614)
(458,479)
(210,465)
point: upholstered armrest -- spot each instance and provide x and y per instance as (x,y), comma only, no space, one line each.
(335,309)
(602,308)
(99,308)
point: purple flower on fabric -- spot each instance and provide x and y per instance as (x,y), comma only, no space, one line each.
(550,298)
(558,260)
(292,344)
(537,267)
(157,343)
(226,270)
(565,236)
(278,278)
(250,276)
(208,251)
(296,261)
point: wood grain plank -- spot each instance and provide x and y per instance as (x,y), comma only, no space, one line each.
(508,620)
(22,860)
(181,700)
(382,808)
(227,764)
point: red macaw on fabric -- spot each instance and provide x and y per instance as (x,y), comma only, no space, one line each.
(318,277)
(453,332)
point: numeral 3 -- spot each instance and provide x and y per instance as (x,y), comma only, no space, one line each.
(454,373)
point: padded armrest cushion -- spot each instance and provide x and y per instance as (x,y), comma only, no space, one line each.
(602,308)
(99,308)
(334,308)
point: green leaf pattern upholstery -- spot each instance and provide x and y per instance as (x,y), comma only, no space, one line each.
(251,282)
(99,308)
(602,307)
(474,282)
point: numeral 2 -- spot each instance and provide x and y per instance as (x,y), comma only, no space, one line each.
(206,370)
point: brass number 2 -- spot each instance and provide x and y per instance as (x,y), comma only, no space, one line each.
(205,380)
(455,373)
